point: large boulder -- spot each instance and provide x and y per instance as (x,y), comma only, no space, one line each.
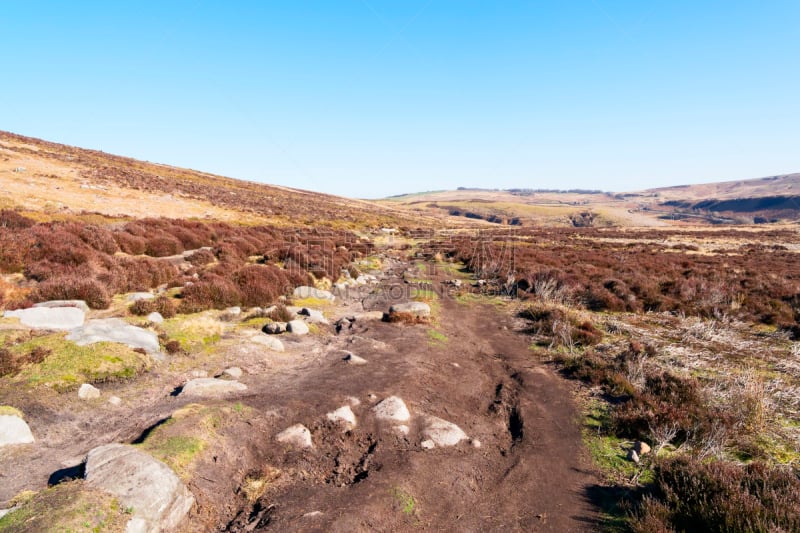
(157,498)
(392,409)
(56,318)
(14,430)
(441,432)
(115,330)
(211,387)
(269,342)
(80,304)
(311,292)
(416,309)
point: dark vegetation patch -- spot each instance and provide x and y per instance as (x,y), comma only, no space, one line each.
(232,265)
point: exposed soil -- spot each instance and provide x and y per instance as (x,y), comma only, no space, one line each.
(528,474)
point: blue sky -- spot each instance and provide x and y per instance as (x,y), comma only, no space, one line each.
(368,98)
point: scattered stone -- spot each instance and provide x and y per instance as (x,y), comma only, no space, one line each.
(372,398)
(270,342)
(416,309)
(353,359)
(155,317)
(298,327)
(311,292)
(136,296)
(427,444)
(353,401)
(633,456)
(642,448)
(88,392)
(344,323)
(314,316)
(313,514)
(441,432)
(369,315)
(14,430)
(475,443)
(115,330)
(158,499)
(392,409)
(116,401)
(199,373)
(211,387)
(79,304)
(235,311)
(56,318)
(345,415)
(298,436)
(402,429)
(455,365)
(233,372)
(274,328)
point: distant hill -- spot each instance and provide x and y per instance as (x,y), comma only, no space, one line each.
(44,176)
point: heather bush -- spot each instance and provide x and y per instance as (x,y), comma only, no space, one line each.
(211,292)
(163,245)
(201,257)
(99,239)
(72,288)
(718,496)
(260,285)
(129,243)
(141,307)
(14,221)
(8,364)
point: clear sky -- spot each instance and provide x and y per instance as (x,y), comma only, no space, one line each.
(368,98)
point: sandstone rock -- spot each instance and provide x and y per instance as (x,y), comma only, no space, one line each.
(298,436)
(56,318)
(211,387)
(115,330)
(298,327)
(274,328)
(155,317)
(392,409)
(88,392)
(314,316)
(14,430)
(344,415)
(235,311)
(269,342)
(427,444)
(441,432)
(116,401)
(233,372)
(417,309)
(136,296)
(79,304)
(475,443)
(642,448)
(353,359)
(157,497)
(311,292)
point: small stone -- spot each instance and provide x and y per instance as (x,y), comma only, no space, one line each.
(211,387)
(442,432)
(393,409)
(198,374)
(402,429)
(14,430)
(274,328)
(116,401)
(475,443)
(155,317)
(136,296)
(313,514)
(313,315)
(353,359)
(642,448)
(633,456)
(353,401)
(298,436)
(88,392)
(298,327)
(233,372)
(344,415)
(427,444)
(372,398)
(234,310)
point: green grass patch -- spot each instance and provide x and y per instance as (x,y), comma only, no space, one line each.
(437,337)
(66,507)
(7,410)
(311,302)
(405,501)
(68,365)
(197,332)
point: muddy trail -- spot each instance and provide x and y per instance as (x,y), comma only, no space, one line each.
(520,469)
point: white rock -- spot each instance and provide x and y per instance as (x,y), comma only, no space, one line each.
(343,414)
(441,432)
(298,436)
(311,292)
(233,372)
(417,309)
(116,401)
(269,342)
(392,409)
(158,498)
(155,317)
(353,401)
(14,430)
(199,373)
(312,514)
(236,310)
(56,318)
(136,296)
(80,304)
(475,443)
(353,359)
(88,392)
(274,328)
(314,316)
(427,445)
(298,327)
(114,330)
(402,429)
(211,387)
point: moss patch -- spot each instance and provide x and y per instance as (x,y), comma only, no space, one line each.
(7,410)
